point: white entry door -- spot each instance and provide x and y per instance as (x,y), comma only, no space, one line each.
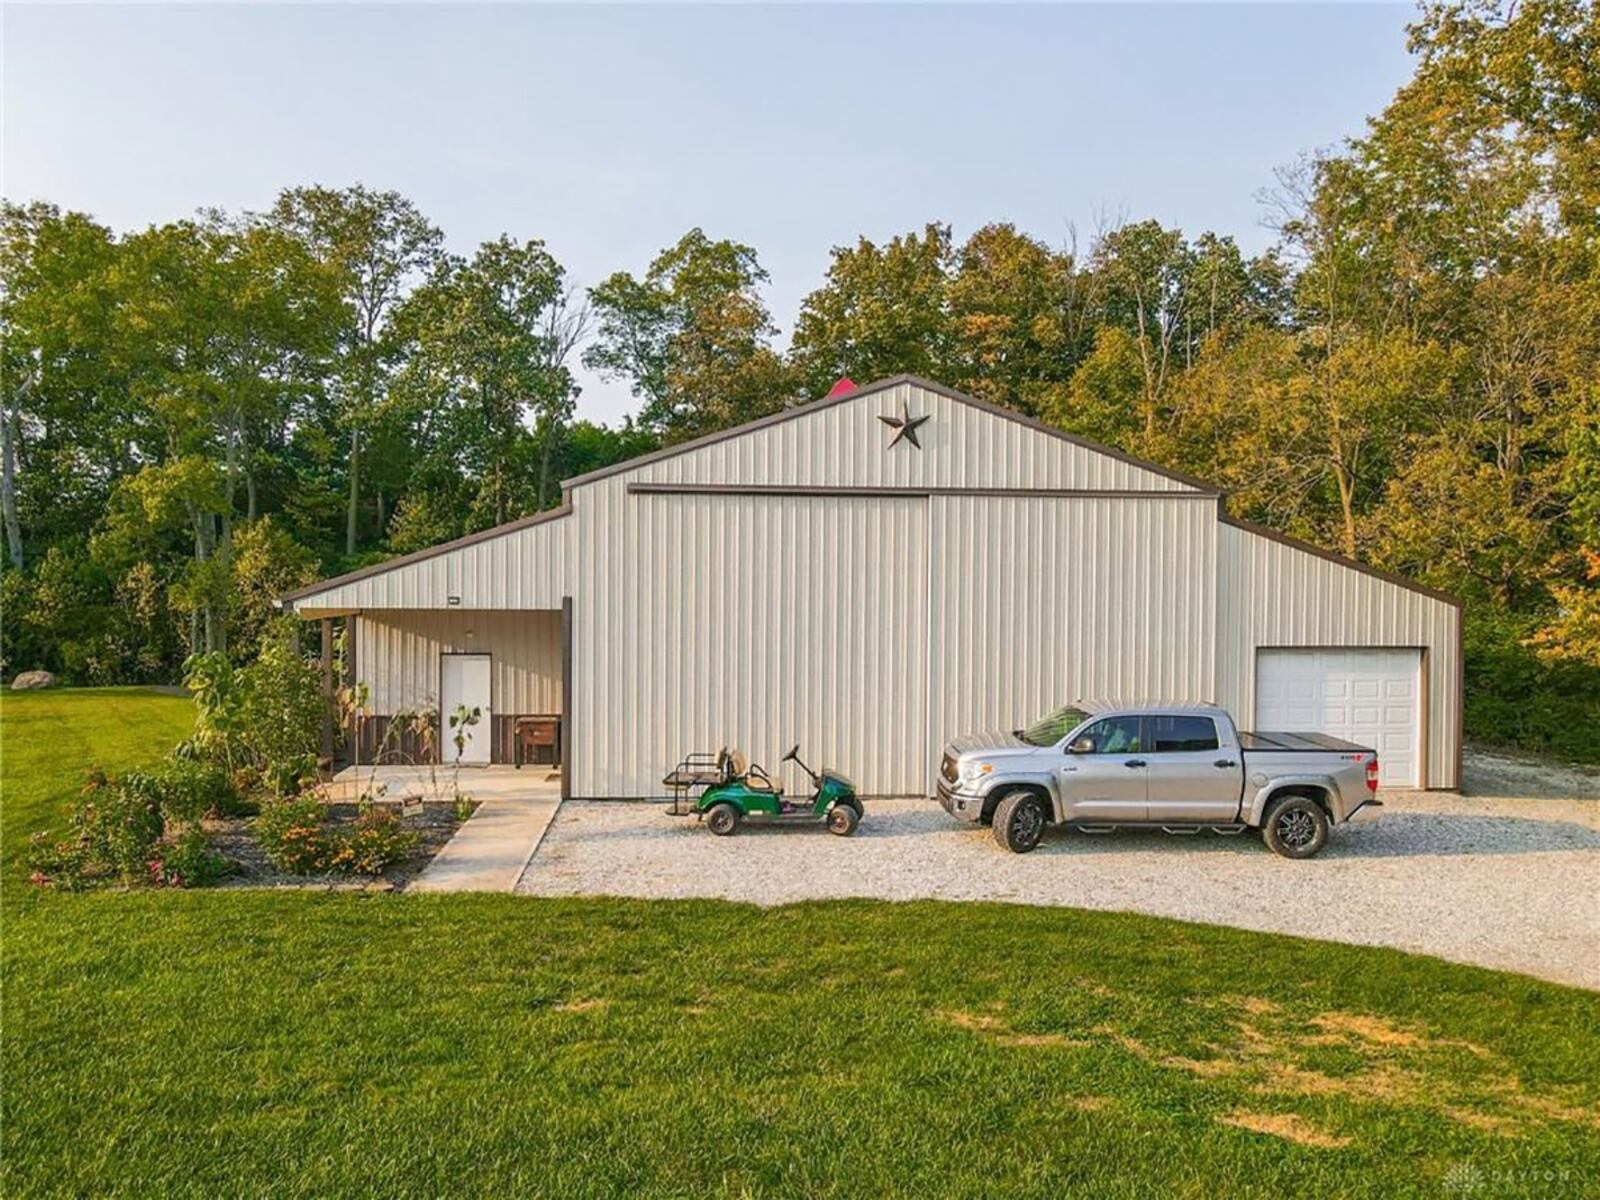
(1371,697)
(464,682)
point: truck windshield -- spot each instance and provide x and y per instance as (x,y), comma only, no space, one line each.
(1051,728)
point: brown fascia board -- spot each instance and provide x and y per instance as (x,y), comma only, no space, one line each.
(868,389)
(1295,543)
(391,564)
(650,488)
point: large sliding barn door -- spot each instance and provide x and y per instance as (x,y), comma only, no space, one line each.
(759,622)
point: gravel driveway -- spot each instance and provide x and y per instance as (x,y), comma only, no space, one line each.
(1501,881)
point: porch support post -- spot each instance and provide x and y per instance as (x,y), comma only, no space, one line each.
(354,732)
(566,697)
(327,691)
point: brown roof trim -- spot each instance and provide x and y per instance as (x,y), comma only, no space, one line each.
(868,389)
(391,564)
(1410,585)
(648,488)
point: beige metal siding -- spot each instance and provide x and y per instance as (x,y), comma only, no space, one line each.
(1037,602)
(522,569)
(756,622)
(397,657)
(1272,594)
(845,445)
(872,629)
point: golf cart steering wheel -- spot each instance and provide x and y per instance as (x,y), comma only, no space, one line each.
(794,753)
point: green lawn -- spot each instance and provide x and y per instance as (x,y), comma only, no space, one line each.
(236,1043)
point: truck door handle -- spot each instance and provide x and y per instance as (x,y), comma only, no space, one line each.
(1224,762)
(1134,762)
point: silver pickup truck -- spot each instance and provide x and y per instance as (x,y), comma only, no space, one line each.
(1098,765)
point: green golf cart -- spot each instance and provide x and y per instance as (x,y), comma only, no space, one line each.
(724,790)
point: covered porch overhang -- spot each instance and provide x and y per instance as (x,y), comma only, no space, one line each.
(482,623)
(408,687)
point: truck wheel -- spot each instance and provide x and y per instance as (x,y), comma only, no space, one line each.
(843,819)
(1019,822)
(1296,827)
(722,819)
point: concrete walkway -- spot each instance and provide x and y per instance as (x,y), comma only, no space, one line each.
(490,851)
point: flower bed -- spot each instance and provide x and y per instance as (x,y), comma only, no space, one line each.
(239,841)
(239,801)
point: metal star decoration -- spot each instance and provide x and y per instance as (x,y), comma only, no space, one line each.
(905,426)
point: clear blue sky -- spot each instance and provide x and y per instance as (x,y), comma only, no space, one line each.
(610,131)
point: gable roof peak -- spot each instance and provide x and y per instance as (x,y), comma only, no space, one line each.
(841,395)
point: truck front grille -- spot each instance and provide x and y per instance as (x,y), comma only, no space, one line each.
(949,769)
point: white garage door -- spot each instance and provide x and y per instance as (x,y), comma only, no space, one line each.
(1372,697)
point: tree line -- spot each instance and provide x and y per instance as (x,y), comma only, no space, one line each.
(201,415)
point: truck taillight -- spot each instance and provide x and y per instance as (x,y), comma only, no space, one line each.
(1372,774)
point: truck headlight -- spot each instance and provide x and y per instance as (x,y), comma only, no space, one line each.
(972,772)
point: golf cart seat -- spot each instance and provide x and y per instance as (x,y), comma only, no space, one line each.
(755,776)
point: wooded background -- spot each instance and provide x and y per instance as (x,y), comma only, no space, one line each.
(202,415)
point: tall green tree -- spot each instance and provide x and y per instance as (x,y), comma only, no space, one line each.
(1021,318)
(491,339)
(883,310)
(379,246)
(693,338)
(65,418)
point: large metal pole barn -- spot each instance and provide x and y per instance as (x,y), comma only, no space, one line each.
(875,572)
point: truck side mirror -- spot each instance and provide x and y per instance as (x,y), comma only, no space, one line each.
(1082,746)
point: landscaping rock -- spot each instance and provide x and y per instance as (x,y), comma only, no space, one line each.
(29,680)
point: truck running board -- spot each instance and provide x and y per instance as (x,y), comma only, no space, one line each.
(1189,830)
(1178,830)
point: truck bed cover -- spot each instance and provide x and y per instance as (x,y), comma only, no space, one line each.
(1301,742)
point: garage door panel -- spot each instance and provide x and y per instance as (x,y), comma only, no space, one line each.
(1364,696)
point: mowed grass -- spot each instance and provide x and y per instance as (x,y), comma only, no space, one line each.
(49,739)
(296,1044)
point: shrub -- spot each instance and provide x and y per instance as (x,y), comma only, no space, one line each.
(66,864)
(120,821)
(189,790)
(291,834)
(284,705)
(1517,699)
(114,826)
(141,827)
(186,861)
(297,838)
(266,716)
(376,841)
(289,776)
(219,701)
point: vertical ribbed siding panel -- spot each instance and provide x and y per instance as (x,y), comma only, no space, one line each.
(1040,601)
(843,445)
(1277,595)
(397,652)
(523,569)
(756,622)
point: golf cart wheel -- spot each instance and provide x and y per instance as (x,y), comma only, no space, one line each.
(722,819)
(1019,821)
(1296,827)
(843,819)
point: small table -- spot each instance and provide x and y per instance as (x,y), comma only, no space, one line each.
(532,734)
